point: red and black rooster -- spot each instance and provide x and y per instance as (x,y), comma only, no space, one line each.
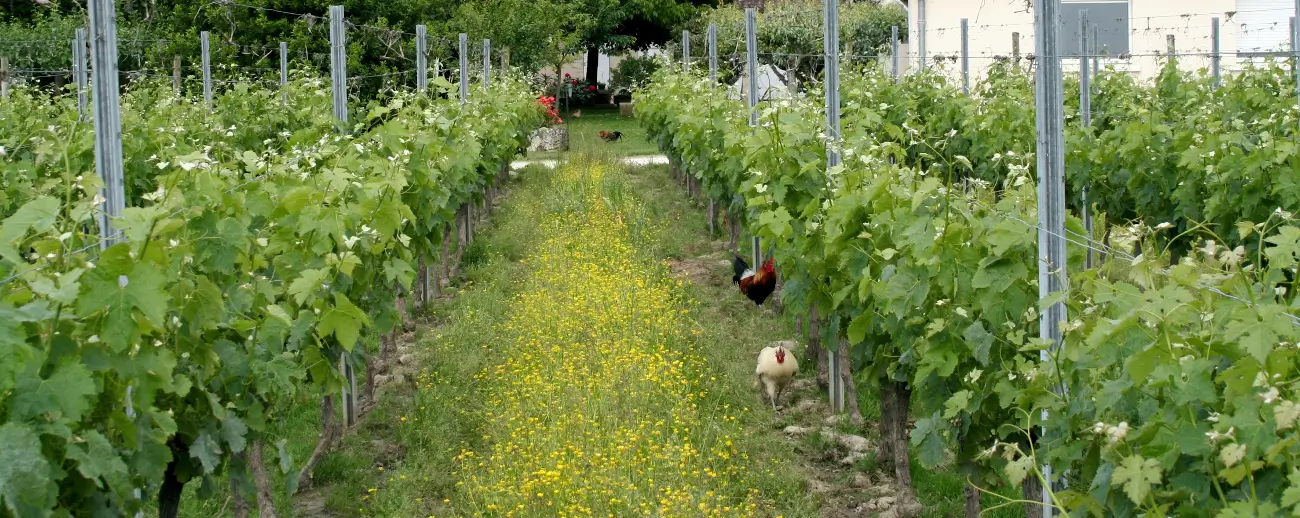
(611,136)
(754,285)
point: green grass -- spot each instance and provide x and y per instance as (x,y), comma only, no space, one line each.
(584,134)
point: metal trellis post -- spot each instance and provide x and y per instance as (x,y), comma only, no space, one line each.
(713,52)
(487,64)
(1096,47)
(82,75)
(421,58)
(1015,48)
(206,64)
(831,48)
(1085,113)
(712,43)
(339,79)
(284,72)
(464,67)
(965,56)
(1295,48)
(1051,188)
(108,115)
(751,58)
(920,31)
(1216,57)
(1172,49)
(686,51)
(894,46)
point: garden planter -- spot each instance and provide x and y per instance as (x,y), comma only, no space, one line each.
(625,109)
(555,138)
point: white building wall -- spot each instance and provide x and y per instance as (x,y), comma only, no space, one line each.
(992,23)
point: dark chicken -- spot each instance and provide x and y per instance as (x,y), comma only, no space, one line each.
(754,285)
(611,136)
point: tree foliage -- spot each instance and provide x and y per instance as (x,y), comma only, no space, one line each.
(790,35)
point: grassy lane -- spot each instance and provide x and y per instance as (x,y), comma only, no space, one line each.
(569,378)
(596,353)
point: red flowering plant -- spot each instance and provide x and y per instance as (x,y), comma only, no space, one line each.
(579,92)
(547,104)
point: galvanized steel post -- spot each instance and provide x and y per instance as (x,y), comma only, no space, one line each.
(421,58)
(965,56)
(1050,153)
(1216,57)
(894,46)
(206,64)
(831,49)
(464,67)
(284,73)
(108,116)
(751,58)
(1085,113)
(82,75)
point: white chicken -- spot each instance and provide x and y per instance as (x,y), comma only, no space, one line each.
(776,367)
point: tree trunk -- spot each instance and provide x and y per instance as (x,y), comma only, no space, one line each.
(236,496)
(445,263)
(1032,491)
(902,397)
(817,350)
(371,367)
(972,502)
(329,427)
(593,63)
(462,231)
(885,452)
(850,388)
(240,509)
(734,220)
(713,218)
(169,495)
(265,503)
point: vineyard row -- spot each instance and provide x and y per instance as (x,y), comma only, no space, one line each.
(916,259)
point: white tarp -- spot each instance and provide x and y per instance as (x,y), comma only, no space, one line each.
(770,85)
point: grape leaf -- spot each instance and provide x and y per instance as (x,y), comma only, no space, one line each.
(345,320)
(1018,469)
(37,215)
(979,340)
(207,450)
(956,404)
(25,484)
(96,460)
(306,284)
(1137,475)
(233,430)
(118,288)
(66,394)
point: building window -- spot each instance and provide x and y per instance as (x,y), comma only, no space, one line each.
(1108,18)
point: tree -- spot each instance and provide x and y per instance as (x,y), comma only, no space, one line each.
(621,24)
